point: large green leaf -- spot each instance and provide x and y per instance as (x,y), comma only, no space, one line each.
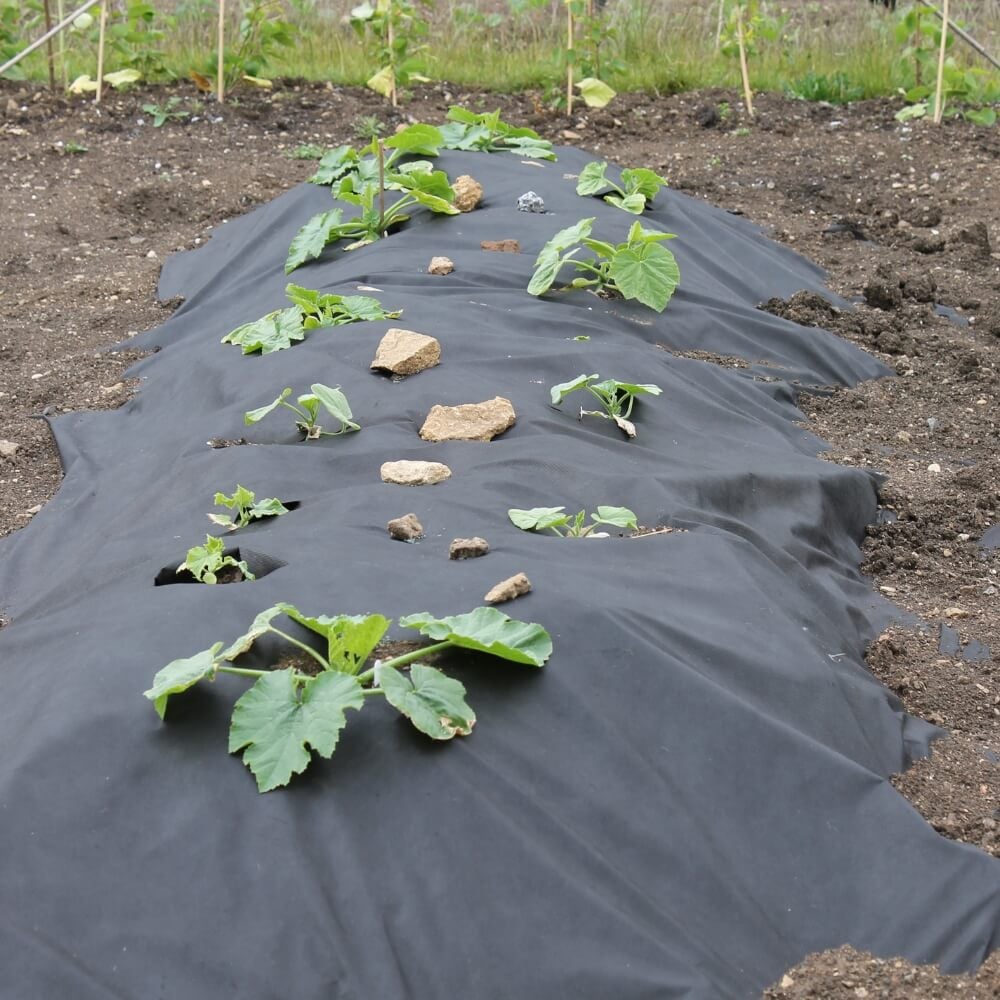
(639,180)
(635,204)
(261,625)
(532,148)
(592,179)
(417,140)
(276,331)
(179,675)
(252,416)
(432,701)
(489,631)
(538,518)
(350,639)
(559,392)
(276,720)
(612,387)
(620,517)
(334,164)
(647,273)
(360,307)
(595,93)
(311,239)
(335,403)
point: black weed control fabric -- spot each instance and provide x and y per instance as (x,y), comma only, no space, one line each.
(686,800)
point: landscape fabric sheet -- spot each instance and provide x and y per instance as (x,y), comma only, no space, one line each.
(689,797)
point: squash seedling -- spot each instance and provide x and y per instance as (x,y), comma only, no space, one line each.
(310,310)
(616,398)
(637,269)
(206,562)
(639,186)
(246,508)
(308,411)
(565,525)
(486,133)
(289,713)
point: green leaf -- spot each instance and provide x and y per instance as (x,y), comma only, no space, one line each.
(531,148)
(639,180)
(620,517)
(334,164)
(276,331)
(335,403)
(311,239)
(350,639)
(592,179)
(559,392)
(489,631)
(633,203)
(275,721)
(595,93)
(432,701)
(268,507)
(261,625)
(913,111)
(538,518)
(417,140)
(548,262)
(361,307)
(202,560)
(252,416)
(307,299)
(599,247)
(986,117)
(179,675)
(242,498)
(612,387)
(647,273)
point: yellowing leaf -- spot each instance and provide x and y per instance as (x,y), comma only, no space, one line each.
(595,93)
(83,85)
(122,77)
(257,81)
(382,82)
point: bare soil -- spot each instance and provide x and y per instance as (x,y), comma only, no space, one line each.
(904,217)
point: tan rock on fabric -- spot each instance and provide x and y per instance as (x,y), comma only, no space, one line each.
(469,421)
(404,352)
(405,473)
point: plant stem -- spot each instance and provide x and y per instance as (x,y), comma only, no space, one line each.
(402,661)
(381,186)
(307,649)
(372,691)
(242,672)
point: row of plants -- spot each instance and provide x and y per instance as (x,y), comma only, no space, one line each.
(291,712)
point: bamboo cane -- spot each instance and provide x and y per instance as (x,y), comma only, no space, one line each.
(48,46)
(569,59)
(744,71)
(967,38)
(61,9)
(389,38)
(102,37)
(220,68)
(39,42)
(719,25)
(939,90)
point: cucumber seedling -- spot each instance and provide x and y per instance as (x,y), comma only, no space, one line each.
(616,398)
(640,268)
(245,508)
(308,411)
(206,562)
(289,713)
(556,520)
(638,188)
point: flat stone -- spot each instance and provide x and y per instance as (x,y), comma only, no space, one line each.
(406,473)
(8,449)
(404,352)
(501,246)
(406,528)
(468,193)
(468,548)
(441,265)
(469,421)
(514,586)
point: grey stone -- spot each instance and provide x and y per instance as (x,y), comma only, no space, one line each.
(530,202)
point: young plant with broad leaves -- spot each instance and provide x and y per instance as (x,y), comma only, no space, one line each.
(365,179)
(311,406)
(556,520)
(397,27)
(486,133)
(245,508)
(616,398)
(310,310)
(206,562)
(640,268)
(637,189)
(290,713)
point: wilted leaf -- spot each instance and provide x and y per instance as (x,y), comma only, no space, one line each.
(432,701)
(382,82)
(595,93)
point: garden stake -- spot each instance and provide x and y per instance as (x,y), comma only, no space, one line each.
(381,187)
(220,77)
(62,46)
(39,42)
(569,59)
(100,52)
(719,25)
(744,72)
(967,38)
(392,61)
(48,46)
(938,95)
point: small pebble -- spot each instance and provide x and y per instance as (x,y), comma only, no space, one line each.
(468,548)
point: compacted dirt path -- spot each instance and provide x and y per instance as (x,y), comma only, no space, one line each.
(906,219)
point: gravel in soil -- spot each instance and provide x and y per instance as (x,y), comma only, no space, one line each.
(901,215)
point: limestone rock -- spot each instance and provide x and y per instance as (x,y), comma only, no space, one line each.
(468,548)
(441,265)
(501,246)
(406,528)
(406,473)
(514,586)
(469,421)
(404,352)
(8,449)
(468,193)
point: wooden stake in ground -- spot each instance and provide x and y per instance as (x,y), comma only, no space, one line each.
(939,90)
(570,55)
(62,46)
(744,71)
(102,38)
(220,75)
(48,46)
(393,96)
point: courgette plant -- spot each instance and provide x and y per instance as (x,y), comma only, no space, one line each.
(486,133)
(616,398)
(206,562)
(245,508)
(640,268)
(556,520)
(289,713)
(322,397)
(310,310)
(639,186)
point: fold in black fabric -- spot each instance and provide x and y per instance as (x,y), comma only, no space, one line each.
(686,800)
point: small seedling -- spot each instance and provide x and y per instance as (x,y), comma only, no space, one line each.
(162,113)
(486,133)
(308,411)
(288,713)
(307,151)
(616,398)
(637,269)
(205,562)
(639,186)
(246,508)
(369,127)
(565,525)
(310,310)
